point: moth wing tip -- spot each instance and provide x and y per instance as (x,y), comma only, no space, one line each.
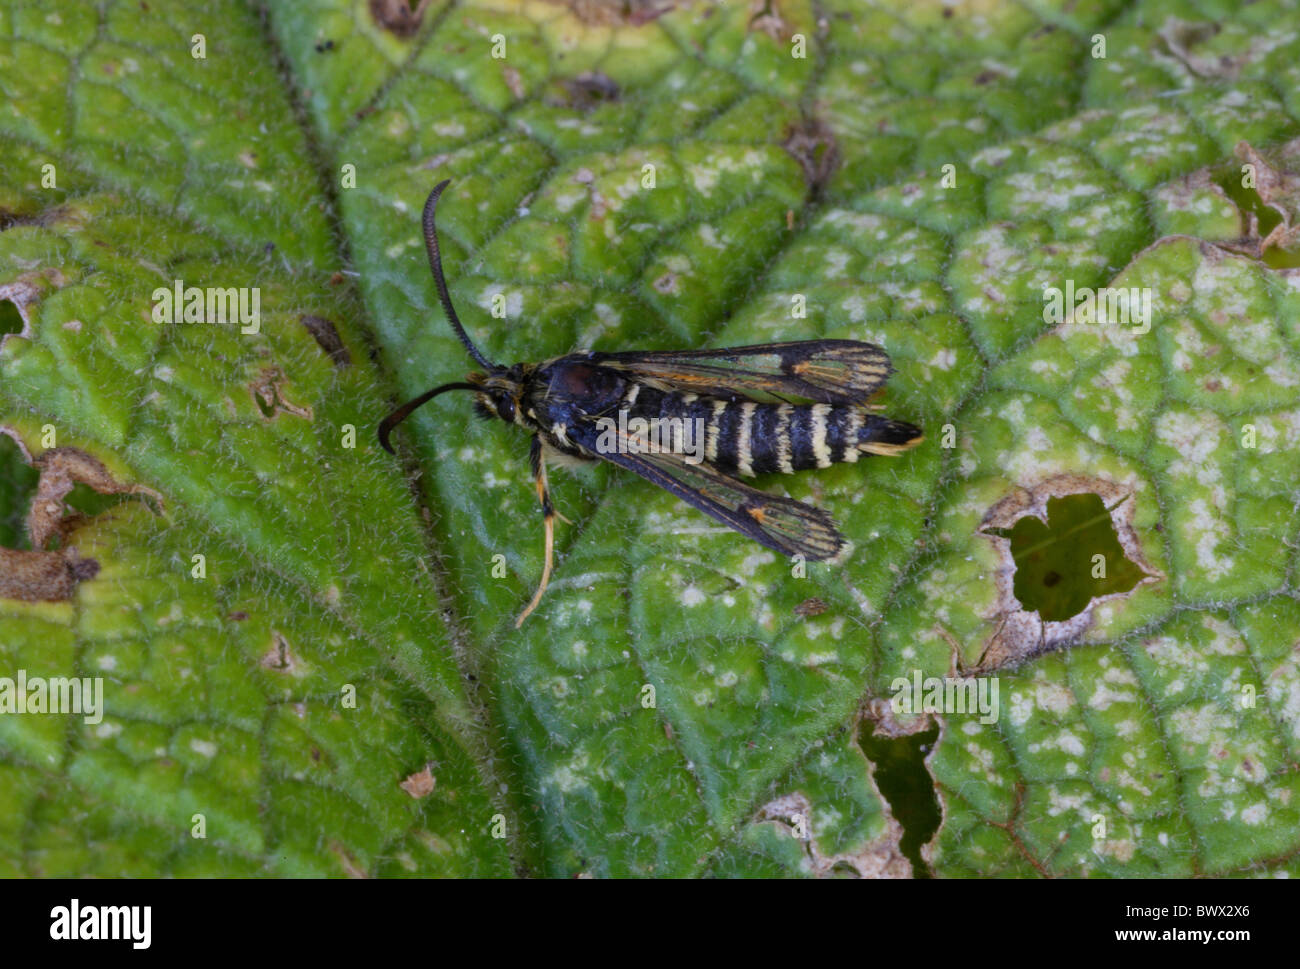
(842,554)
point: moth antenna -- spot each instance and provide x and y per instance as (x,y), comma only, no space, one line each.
(435,263)
(402,413)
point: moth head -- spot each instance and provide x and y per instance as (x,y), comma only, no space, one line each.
(499,393)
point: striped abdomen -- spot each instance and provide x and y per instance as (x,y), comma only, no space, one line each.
(747,438)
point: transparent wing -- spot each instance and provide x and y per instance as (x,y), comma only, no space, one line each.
(818,371)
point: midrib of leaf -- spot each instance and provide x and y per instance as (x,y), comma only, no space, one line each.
(463,715)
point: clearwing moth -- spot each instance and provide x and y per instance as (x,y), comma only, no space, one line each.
(771,407)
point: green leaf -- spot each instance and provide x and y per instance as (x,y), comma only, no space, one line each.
(682,702)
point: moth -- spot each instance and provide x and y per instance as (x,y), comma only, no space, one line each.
(693,422)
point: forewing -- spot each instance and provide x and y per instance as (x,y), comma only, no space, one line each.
(817,371)
(781,524)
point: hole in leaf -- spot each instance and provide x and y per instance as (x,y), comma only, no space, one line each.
(265,404)
(90,502)
(267,395)
(1276,257)
(18,482)
(11,320)
(905,783)
(1249,200)
(1075,557)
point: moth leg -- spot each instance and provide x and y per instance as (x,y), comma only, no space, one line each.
(537,458)
(548,518)
(544,496)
